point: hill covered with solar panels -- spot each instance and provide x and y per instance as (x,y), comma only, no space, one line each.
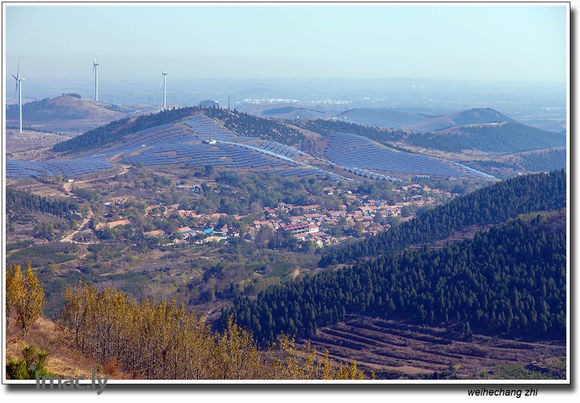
(190,136)
(197,136)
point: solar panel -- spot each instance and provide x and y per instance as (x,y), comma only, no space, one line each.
(350,150)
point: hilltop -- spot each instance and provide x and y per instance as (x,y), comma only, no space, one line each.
(381,117)
(461,118)
(481,129)
(489,137)
(65,113)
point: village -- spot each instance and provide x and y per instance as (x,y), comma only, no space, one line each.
(358,216)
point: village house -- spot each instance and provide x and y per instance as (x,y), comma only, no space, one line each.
(152,207)
(155,233)
(113,224)
(296,219)
(184,231)
(187,213)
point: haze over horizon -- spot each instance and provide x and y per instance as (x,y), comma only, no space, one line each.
(459,42)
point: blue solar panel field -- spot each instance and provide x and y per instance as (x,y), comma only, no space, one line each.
(362,154)
(65,168)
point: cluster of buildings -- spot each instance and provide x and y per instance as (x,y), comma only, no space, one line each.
(203,233)
(357,216)
(363,216)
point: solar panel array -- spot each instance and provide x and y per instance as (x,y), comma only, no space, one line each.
(222,154)
(280,149)
(352,151)
(157,136)
(371,175)
(65,168)
(208,129)
(178,144)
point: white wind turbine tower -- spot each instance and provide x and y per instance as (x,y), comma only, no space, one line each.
(96,73)
(19,89)
(164,78)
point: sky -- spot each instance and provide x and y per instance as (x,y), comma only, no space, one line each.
(469,42)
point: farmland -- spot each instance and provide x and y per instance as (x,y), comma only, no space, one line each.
(394,349)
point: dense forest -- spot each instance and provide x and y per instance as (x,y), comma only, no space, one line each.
(18,200)
(510,281)
(545,161)
(328,127)
(490,205)
(117,130)
(505,137)
(244,124)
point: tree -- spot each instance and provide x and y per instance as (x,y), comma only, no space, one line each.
(31,366)
(27,297)
(14,290)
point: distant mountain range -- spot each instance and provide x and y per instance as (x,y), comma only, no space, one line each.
(68,113)
(481,129)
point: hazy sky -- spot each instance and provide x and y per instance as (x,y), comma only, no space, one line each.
(471,42)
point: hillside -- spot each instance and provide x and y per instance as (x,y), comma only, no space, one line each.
(328,127)
(461,118)
(293,112)
(381,117)
(509,282)
(490,205)
(108,332)
(481,129)
(489,137)
(244,124)
(67,112)
(116,131)
(237,123)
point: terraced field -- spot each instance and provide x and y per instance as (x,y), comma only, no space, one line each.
(394,349)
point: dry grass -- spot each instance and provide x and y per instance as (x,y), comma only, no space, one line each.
(63,358)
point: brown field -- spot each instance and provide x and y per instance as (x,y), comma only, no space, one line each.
(31,145)
(394,349)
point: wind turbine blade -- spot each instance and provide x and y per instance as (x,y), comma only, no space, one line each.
(16,78)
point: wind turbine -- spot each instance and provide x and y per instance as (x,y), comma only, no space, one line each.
(164,79)
(19,89)
(96,73)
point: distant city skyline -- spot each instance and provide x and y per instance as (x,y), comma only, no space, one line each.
(493,42)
